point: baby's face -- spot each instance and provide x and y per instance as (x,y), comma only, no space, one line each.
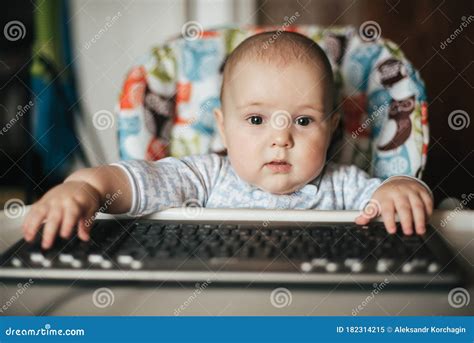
(273,124)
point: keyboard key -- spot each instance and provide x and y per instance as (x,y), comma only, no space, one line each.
(384,265)
(136,264)
(124,259)
(332,267)
(354,264)
(36,257)
(106,264)
(155,230)
(228,226)
(306,267)
(189,229)
(66,258)
(433,268)
(95,258)
(76,264)
(319,262)
(141,229)
(414,264)
(46,263)
(16,262)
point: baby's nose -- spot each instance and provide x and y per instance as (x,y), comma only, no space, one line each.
(282,138)
(281,123)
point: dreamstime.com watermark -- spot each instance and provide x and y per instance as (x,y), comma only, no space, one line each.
(281,297)
(109,22)
(14,208)
(288,21)
(280,120)
(46,331)
(14,30)
(192,30)
(200,287)
(103,297)
(459,297)
(465,200)
(464,24)
(22,287)
(380,110)
(371,209)
(370,31)
(21,111)
(192,208)
(378,287)
(103,120)
(204,108)
(458,120)
(109,201)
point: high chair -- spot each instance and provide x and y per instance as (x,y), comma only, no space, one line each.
(167,100)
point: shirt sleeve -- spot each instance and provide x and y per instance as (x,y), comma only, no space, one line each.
(170,182)
(357,187)
(354,186)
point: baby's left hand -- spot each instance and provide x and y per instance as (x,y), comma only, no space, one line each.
(408,198)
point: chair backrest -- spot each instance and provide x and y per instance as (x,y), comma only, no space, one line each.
(167,100)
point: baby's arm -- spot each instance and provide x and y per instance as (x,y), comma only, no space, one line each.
(74,203)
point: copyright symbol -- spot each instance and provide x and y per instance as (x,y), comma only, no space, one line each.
(389,329)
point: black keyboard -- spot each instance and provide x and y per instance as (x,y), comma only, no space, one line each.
(238,252)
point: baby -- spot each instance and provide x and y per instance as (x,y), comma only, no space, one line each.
(276,122)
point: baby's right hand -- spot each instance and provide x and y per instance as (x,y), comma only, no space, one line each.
(63,207)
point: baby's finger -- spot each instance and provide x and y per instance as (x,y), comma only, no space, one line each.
(418,210)
(83,230)
(428,203)
(51,227)
(388,216)
(403,208)
(85,225)
(71,217)
(33,221)
(362,220)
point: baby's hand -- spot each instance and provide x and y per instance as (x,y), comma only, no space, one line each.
(63,207)
(410,199)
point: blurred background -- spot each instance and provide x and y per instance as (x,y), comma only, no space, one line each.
(107,37)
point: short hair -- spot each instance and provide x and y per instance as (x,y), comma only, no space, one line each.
(282,47)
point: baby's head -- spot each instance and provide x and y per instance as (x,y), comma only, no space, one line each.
(277,118)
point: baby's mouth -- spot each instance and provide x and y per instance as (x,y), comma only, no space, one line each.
(279,166)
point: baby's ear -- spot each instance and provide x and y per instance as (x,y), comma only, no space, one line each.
(219,115)
(335,117)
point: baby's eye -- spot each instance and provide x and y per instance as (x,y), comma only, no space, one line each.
(304,121)
(255,120)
